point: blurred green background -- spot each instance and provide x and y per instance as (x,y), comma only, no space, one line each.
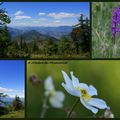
(104,75)
(102,41)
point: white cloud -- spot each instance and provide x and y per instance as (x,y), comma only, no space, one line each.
(41,13)
(62,15)
(57,21)
(23,91)
(18,13)
(42,19)
(12,92)
(56,24)
(43,23)
(39,20)
(2,89)
(36,21)
(20,93)
(22,17)
(13,95)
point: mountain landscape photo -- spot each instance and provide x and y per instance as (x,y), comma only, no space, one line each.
(45,30)
(12,95)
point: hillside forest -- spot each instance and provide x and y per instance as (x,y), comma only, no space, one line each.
(11,107)
(32,44)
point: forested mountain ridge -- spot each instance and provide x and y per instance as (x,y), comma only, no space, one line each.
(14,32)
(32,35)
(56,32)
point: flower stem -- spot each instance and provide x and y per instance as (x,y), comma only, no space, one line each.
(73,107)
(45,107)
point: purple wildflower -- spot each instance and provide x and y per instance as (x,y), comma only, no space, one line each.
(115,21)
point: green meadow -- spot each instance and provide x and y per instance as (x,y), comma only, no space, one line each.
(104,75)
(15,114)
(102,42)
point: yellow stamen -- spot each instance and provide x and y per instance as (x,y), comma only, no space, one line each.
(85,94)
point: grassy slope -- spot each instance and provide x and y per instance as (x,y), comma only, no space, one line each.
(102,42)
(16,114)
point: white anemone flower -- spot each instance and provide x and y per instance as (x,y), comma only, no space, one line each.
(85,92)
(56,98)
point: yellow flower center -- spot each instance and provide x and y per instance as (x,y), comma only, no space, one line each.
(85,94)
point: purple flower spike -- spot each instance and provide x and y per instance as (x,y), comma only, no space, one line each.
(115,21)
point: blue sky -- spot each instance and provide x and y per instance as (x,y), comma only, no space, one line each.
(12,77)
(45,13)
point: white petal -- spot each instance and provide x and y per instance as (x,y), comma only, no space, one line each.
(75,80)
(99,103)
(55,101)
(66,77)
(59,95)
(84,86)
(94,110)
(92,90)
(68,81)
(49,84)
(73,92)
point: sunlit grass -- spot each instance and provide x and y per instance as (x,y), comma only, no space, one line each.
(15,114)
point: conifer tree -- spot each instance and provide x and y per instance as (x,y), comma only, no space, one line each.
(81,35)
(2,95)
(35,46)
(4,34)
(17,103)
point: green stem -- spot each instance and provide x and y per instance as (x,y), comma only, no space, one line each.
(73,107)
(45,107)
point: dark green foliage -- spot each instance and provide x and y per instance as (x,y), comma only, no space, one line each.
(17,104)
(32,35)
(18,49)
(2,95)
(50,47)
(3,110)
(4,18)
(10,108)
(34,47)
(65,46)
(81,35)
(25,47)
(4,34)
(4,42)
(21,43)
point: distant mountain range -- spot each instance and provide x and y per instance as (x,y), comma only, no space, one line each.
(33,35)
(41,32)
(9,100)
